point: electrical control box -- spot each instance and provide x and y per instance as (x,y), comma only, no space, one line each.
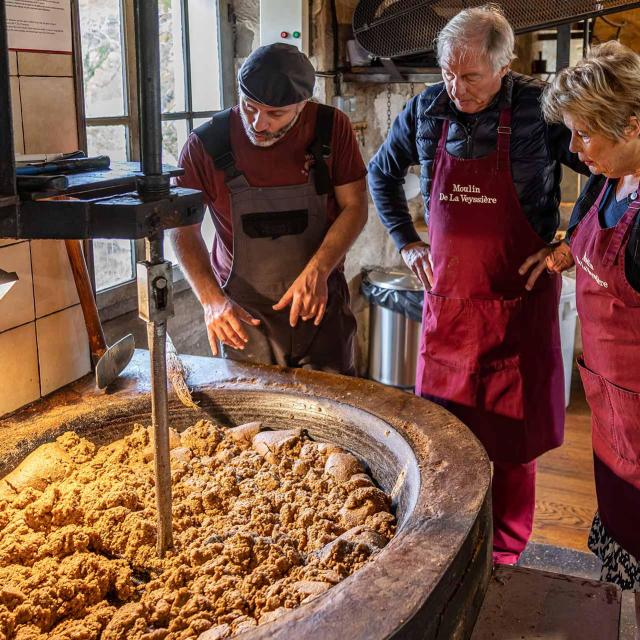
(285,21)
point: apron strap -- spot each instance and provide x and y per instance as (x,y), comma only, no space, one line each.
(320,149)
(620,232)
(603,191)
(215,136)
(504,138)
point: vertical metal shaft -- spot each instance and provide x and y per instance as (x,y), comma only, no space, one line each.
(148,53)
(154,185)
(157,336)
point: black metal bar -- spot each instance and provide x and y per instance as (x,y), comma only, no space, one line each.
(563,47)
(130,79)
(78,76)
(226,52)
(186,48)
(148,59)
(7,157)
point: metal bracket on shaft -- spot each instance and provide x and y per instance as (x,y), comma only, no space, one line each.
(155,291)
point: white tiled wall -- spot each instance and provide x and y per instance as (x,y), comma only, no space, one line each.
(48,114)
(19,378)
(18,137)
(53,285)
(43,340)
(16,308)
(63,348)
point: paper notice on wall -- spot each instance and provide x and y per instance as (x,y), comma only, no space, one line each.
(39,25)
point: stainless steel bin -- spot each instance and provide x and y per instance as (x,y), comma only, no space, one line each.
(394,336)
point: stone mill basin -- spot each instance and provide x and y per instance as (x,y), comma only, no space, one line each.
(428,582)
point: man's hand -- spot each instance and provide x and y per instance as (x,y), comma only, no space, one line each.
(417,257)
(224,319)
(554,258)
(307,296)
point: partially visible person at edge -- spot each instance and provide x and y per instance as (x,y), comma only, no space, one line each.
(490,170)
(599,101)
(284,181)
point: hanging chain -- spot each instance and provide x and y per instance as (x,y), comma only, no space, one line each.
(388,108)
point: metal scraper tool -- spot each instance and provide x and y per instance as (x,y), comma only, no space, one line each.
(109,361)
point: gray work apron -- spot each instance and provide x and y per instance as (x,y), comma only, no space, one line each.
(276,231)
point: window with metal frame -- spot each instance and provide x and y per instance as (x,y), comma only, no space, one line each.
(193,79)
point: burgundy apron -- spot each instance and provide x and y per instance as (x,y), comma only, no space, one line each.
(609,310)
(490,350)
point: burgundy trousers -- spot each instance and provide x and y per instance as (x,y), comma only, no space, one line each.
(513,491)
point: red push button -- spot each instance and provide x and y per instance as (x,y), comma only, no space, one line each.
(284,34)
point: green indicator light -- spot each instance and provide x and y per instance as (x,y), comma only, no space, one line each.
(296,34)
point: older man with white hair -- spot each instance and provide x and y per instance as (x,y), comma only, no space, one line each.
(490,176)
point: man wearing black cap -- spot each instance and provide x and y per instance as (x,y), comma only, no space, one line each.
(284,181)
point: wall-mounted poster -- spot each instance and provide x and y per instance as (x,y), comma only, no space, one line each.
(39,25)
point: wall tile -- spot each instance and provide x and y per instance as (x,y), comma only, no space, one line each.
(13,63)
(63,349)
(16,307)
(44,64)
(16,114)
(48,115)
(53,282)
(19,382)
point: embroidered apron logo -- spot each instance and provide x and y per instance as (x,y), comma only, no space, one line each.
(585,263)
(460,193)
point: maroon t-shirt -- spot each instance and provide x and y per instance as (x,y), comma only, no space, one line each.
(280,165)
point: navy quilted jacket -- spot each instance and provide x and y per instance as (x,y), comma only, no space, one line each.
(537,152)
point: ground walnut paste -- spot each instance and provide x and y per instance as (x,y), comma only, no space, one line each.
(263,521)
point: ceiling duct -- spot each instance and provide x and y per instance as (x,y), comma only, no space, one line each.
(394,28)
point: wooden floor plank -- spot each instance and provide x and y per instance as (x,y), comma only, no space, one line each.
(565,491)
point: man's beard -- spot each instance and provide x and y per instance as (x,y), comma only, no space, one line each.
(267,139)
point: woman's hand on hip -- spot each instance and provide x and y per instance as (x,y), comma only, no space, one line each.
(224,319)
(308,296)
(417,257)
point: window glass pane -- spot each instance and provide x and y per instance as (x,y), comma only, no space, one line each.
(205,63)
(114,262)
(174,135)
(207,229)
(110,141)
(100,26)
(171,56)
